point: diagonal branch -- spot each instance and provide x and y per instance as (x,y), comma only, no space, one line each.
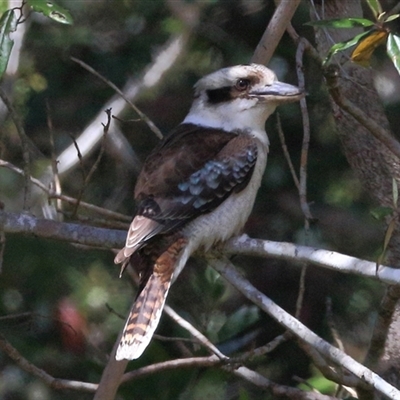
(49,380)
(228,271)
(274,32)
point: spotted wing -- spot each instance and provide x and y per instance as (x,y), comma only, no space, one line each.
(191,173)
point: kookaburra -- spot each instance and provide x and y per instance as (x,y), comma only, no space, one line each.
(198,186)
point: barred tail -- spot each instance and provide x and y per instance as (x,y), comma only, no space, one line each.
(147,309)
(143,318)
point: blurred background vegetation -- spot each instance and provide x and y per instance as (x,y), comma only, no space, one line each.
(55,298)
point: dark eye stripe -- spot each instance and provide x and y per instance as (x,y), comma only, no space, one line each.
(219,95)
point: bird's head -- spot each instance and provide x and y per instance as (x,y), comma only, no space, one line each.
(239,97)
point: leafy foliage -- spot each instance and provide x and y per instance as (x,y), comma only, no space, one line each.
(9,23)
(367,42)
(52,10)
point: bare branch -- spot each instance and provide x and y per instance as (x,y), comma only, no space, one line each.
(50,381)
(110,238)
(192,362)
(286,152)
(226,269)
(306,134)
(70,200)
(274,32)
(195,362)
(142,115)
(74,233)
(111,376)
(323,258)
(242,372)
(194,332)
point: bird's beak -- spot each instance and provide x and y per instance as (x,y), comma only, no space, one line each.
(279,92)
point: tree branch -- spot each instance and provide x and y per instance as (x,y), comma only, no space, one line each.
(274,32)
(322,258)
(50,381)
(74,233)
(226,269)
(114,239)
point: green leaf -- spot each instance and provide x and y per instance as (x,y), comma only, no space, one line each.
(51,10)
(342,23)
(392,17)
(8,24)
(393,50)
(375,6)
(344,45)
(320,384)
(3,6)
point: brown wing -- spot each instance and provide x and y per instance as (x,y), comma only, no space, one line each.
(190,173)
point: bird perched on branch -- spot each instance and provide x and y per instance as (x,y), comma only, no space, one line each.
(198,186)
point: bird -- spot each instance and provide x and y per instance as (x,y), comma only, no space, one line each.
(197,187)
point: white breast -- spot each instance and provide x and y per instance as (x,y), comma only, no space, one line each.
(228,218)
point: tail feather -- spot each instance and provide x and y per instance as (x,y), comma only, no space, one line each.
(143,318)
(146,311)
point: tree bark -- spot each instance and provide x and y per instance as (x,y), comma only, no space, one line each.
(373,162)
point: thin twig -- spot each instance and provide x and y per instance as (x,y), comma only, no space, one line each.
(70,200)
(142,115)
(286,152)
(55,183)
(337,375)
(302,290)
(306,135)
(106,127)
(12,317)
(194,332)
(25,145)
(262,350)
(193,362)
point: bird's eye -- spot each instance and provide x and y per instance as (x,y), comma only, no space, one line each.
(242,84)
